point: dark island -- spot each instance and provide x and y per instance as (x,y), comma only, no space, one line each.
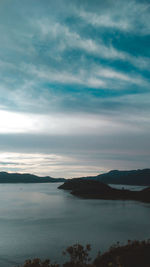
(6,177)
(132,177)
(98,190)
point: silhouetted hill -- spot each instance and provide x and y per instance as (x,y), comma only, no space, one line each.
(134,177)
(78,184)
(98,190)
(27,178)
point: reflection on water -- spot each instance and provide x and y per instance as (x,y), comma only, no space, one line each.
(38,220)
(128,187)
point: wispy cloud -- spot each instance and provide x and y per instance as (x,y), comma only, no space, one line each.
(67,39)
(104,20)
(74,82)
(45,164)
(64,77)
(129,16)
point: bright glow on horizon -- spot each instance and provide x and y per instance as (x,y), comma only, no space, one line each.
(45,165)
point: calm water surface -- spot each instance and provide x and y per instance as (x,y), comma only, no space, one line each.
(38,220)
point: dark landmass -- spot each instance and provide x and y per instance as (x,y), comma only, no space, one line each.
(133,177)
(27,178)
(98,190)
(134,254)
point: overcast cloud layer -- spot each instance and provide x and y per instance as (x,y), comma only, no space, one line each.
(74,86)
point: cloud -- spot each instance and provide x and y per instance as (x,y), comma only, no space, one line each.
(130,16)
(73,156)
(64,77)
(95,76)
(64,38)
(68,39)
(46,164)
(74,83)
(37,163)
(104,20)
(56,124)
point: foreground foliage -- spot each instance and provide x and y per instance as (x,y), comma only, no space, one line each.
(134,254)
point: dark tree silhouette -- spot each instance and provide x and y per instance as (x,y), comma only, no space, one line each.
(79,256)
(133,254)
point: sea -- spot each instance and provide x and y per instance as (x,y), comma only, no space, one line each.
(40,220)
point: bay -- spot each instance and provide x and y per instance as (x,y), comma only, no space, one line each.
(39,220)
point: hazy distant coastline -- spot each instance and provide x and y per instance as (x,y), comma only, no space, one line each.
(132,177)
(27,178)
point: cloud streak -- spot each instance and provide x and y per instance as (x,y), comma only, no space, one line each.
(74,85)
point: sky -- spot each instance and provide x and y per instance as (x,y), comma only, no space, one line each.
(74,86)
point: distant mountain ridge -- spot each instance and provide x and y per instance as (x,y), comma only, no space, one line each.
(133,177)
(6,177)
